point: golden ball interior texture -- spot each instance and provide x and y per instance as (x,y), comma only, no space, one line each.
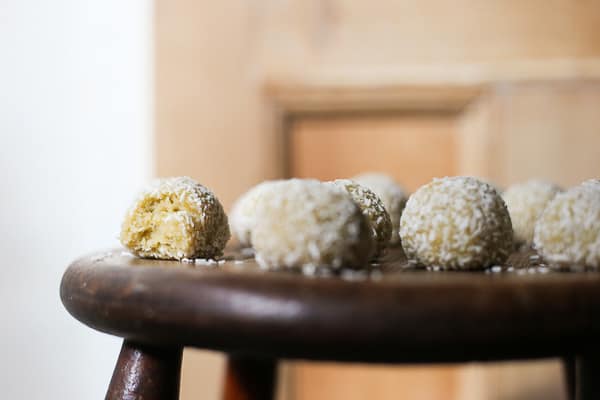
(307,224)
(568,232)
(525,203)
(391,194)
(456,223)
(243,213)
(175,218)
(373,209)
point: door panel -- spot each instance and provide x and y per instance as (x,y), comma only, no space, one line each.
(412,148)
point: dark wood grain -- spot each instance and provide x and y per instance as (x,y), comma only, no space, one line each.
(393,314)
(146,373)
(249,379)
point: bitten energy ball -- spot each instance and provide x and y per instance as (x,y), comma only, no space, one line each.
(525,203)
(456,223)
(243,213)
(372,207)
(391,194)
(175,218)
(568,232)
(307,224)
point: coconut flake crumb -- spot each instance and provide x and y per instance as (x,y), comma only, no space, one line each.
(205,261)
(100,257)
(354,275)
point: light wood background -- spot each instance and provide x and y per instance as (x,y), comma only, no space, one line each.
(252,90)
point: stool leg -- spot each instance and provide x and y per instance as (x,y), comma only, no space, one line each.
(587,377)
(568,363)
(249,379)
(145,372)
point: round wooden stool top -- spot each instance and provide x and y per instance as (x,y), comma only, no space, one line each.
(391,314)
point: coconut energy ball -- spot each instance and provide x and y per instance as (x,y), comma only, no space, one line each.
(525,203)
(568,232)
(307,224)
(175,218)
(391,194)
(456,223)
(243,213)
(372,207)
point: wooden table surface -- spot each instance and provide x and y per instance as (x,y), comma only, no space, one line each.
(393,313)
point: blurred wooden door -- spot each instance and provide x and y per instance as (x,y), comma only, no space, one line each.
(253,90)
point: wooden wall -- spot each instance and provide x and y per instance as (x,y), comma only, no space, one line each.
(241,85)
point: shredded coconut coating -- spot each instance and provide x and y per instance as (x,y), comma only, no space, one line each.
(373,209)
(525,203)
(391,194)
(307,224)
(568,231)
(592,182)
(175,218)
(457,223)
(243,213)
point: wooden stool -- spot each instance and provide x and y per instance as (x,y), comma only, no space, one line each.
(394,315)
